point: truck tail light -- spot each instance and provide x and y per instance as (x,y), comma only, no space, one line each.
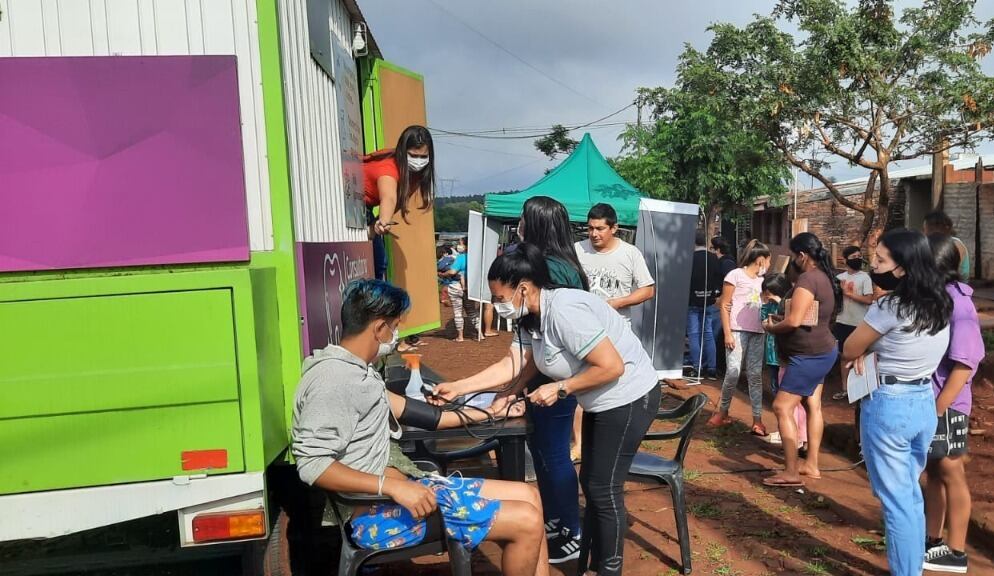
(229,526)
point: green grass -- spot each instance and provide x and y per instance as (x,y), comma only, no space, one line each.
(691,475)
(708,510)
(726,570)
(715,551)
(816,568)
(869,543)
(819,551)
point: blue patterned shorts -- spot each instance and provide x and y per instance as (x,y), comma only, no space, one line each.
(467,516)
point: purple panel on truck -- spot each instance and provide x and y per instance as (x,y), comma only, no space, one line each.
(120,161)
(325,269)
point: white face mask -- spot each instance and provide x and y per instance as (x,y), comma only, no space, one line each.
(387,348)
(507,310)
(762,271)
(417,164)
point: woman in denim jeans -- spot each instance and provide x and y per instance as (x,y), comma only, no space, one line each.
(544,223)
(908,330)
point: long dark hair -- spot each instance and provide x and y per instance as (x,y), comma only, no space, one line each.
(921,295)
(525,262)
(547,227)
(946,255)
(423,181)
(808,243)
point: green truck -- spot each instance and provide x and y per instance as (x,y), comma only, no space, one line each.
(147,363)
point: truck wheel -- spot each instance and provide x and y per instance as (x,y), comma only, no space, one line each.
(276,560)
(270,557)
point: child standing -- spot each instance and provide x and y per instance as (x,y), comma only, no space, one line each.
(775,288)
(740,307)
(947,494)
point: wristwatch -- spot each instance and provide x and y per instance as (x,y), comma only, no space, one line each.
(562,391)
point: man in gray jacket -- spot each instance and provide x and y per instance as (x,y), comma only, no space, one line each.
(344,419)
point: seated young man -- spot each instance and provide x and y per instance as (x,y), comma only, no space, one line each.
(343,422)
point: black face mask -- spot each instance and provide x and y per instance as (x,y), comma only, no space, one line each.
(885,280)
(855,263)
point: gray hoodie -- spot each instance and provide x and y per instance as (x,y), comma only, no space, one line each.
(341,414)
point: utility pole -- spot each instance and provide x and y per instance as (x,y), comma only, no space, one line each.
(638,123)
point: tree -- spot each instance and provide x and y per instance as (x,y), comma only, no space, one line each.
(556,142)
(858,85)
(696,150)
(452,213)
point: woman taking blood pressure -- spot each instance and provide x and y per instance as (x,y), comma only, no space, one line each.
(588,350)
(391,178)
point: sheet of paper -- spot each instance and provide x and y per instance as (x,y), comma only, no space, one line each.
(862,385)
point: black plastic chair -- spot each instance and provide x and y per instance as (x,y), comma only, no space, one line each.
(435,542)
(670,472)
(443,458)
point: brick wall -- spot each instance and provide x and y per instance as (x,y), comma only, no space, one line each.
(986,234)
(959,202)
(834,224)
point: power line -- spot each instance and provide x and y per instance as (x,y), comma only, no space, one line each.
(513,133)
(540,128)
(447,143)
(502,172)
(513,55)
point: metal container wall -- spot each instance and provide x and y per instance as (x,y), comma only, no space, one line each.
(159,28)
(312,128)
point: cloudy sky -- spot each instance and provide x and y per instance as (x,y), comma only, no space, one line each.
(529,64)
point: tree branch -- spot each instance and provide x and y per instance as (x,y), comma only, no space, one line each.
(812,171)
(854,158)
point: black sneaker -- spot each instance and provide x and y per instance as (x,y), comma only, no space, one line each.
(552,529)
(564,547)
(943,559)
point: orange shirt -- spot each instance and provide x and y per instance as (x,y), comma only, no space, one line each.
(372,170)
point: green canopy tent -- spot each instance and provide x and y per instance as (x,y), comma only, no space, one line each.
(579,182)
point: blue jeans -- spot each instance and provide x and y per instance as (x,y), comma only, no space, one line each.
(379,258)
(896,428)
(549,443)
(379,249)
(719,340)
(700,323)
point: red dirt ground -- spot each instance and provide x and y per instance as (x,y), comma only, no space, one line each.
(737,525)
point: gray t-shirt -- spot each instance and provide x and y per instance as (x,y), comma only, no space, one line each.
(616,273)
(852,311)
(573,323)
(904,355)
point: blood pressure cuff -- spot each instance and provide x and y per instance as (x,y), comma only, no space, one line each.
(420,415)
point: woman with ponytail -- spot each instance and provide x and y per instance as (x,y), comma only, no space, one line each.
(586,350)
(810,350)
(745,344)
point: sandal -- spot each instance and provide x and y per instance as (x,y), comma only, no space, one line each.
(840,395)
(759,430)
(781,482)
(718,420)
